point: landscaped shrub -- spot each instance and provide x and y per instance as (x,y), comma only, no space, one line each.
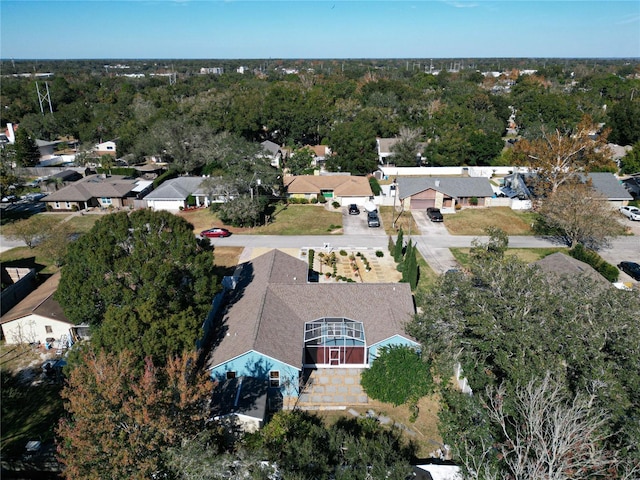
(379,253)
(608,271)
(343,253)
(335,204)
(314,201)
(473,201)
(375,186)
(312,254)
(321,199)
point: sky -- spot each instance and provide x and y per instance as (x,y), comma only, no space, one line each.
(247,29)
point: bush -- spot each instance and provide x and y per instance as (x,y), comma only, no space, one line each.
(375,186)
(321,199)
(343,253)
(314,201)
(397,375)
(379,253)
(458,206)
(473,201)
(608,271)
(312,254)
(335,204)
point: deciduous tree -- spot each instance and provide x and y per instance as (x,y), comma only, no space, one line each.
(32,230)
(406,149)
(122,418)
(579,214)
(558,158)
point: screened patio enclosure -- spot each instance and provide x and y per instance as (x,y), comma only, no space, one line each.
(334,342)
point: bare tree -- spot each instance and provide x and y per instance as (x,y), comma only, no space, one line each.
(580,215)
(549,436)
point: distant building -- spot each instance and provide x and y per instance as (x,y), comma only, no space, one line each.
(212,70)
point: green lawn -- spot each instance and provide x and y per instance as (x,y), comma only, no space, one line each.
(527,255)
(474,221)
(285,220)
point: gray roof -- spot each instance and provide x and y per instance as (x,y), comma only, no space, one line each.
(94,186)
(274,300)
(176,189)
(609,186)
(271,147)
(558,264)
(456,187)
(242,395)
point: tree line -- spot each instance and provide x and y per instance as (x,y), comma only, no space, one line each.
(460,118)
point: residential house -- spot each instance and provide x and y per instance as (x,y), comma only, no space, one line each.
(420,193)
(320,154)
(104,191)
(274,152)
(60,180)
(345,189)
(105,148)
(558,265)
(605,183)
(278,327)
(385,150)
(40,319)
(17,283)
(173,194)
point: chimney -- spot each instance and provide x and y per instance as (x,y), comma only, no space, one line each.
(437,182)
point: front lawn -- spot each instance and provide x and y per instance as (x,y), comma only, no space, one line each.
(403,220)
(285,220)
(527,255)
(474,221)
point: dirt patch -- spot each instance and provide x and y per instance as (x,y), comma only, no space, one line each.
(361,265)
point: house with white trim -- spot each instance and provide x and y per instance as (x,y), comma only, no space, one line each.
(279,327)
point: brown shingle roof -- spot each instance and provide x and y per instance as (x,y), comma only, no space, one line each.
(342,185)
(39,302)
(93,186)
(273,301)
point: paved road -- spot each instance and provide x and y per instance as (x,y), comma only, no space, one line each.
(433,243)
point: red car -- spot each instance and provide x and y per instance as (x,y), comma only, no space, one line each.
(215,232)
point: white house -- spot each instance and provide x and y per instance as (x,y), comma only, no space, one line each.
(38,318)
(172,195)
(105,148)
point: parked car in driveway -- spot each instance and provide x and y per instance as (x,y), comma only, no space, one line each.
(373,220)
(434,214)
(353,209)
(215,232)
(633,213)
(630,268)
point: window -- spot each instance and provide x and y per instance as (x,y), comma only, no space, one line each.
(105,201)
(48,329)
(231,375)
(68,204)
(57,204)
(274,378)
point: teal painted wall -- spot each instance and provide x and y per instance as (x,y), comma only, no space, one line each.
(254,364)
